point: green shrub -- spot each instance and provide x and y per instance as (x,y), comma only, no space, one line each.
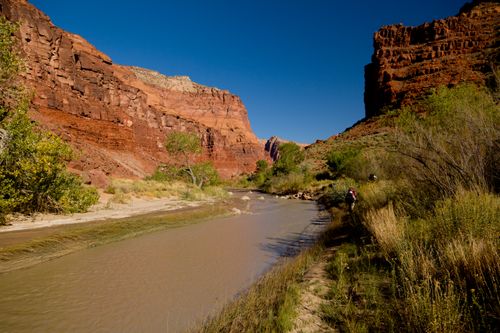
(33,174)
(290,157)
(261,174)
(342,162)
(206,174)
(450,141)
(432,307)
(285,184)
(78,198)
(467,214)
(164,173)
(334,195)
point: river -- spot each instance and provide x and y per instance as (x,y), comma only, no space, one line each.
(160,282)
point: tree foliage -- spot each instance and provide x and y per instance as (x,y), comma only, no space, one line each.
(33,174)
(290,157)
(341,162)
(183,144)
(184,147)
(261,174)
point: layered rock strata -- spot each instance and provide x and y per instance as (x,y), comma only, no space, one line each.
(116,116)
(408,61)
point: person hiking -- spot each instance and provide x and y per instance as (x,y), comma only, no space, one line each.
(350,198)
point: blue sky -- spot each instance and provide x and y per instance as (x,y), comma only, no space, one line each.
(297,65)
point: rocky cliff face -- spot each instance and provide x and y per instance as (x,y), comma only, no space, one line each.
(117,116)
(272,145)
(408,61)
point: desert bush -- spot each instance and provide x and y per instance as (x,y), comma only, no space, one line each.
(165,172)
(334,195)
(468,213)
(285,183)
(357,299)
(206,174)
(455,246)
(77,198)
(343,162)
(452,142)
(432,307)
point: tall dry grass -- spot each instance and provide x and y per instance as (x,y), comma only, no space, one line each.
(388,230)
(447,265)
(430,306)
(124,189)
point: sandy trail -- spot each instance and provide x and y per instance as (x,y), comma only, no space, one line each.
(101,211)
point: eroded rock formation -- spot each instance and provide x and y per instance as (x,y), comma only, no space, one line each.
(408,61)
(117,116)
(272,146)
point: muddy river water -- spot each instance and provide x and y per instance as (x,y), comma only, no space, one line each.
(160,282)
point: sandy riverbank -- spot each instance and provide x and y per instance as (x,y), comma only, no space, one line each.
(104,210)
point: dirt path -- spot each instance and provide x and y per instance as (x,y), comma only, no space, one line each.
(314,289)
(313,293)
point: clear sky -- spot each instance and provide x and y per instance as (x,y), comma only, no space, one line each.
(297,65)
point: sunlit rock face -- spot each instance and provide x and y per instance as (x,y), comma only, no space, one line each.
(408,61)
(117,116)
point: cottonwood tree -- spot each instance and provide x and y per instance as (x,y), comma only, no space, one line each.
(185,147)
(33,175)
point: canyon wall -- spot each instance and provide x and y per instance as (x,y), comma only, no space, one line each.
(116,117)
(408,61)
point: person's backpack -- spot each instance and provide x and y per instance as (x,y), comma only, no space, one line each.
(350,196)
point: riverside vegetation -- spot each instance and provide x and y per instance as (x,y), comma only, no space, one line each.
(33,175)
(421,249)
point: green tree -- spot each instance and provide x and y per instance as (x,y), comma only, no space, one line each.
(33,174)
(206,174)
(342,161)
(262,166)
(290,157)
(184,147)
(261,173)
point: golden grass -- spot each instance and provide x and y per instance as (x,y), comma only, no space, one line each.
(124,189)
(445,266)
(432,307)
(388,230)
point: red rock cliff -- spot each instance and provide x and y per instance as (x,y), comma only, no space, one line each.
(408,61)
(117,116)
